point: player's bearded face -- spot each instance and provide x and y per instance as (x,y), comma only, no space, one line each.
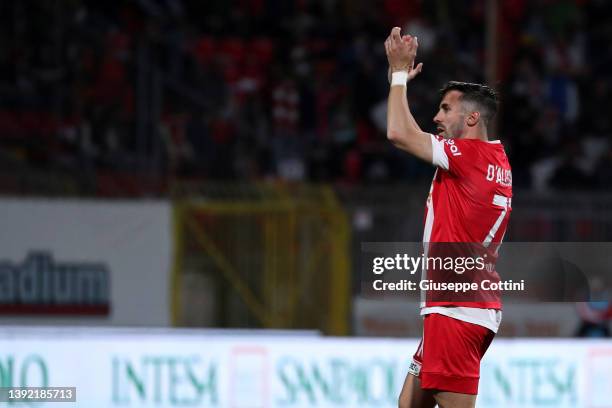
(455,127)
(450,119)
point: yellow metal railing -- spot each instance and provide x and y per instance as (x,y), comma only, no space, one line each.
(283,252)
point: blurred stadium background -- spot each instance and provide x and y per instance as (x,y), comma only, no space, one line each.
(186,186)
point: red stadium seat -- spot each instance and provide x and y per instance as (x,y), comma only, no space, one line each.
(204,49)
(262,49)
(233,48)
(127,184)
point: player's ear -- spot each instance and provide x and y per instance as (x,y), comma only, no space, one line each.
(473,118)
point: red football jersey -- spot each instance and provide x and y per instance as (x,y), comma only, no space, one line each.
(469,202)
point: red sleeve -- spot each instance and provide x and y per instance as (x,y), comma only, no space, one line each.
(461,156)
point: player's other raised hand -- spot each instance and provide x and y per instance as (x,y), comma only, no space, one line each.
(401,52)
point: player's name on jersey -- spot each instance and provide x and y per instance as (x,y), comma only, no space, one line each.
(463,287)
(499,175)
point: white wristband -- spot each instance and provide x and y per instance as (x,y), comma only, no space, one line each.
(399,78)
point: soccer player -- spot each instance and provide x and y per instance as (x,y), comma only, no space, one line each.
(469,202)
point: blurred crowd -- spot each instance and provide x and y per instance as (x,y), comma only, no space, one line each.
(293,89)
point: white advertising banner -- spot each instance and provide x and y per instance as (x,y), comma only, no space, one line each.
(85,262)
(195,369)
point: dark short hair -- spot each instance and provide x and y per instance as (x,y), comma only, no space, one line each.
(484,97)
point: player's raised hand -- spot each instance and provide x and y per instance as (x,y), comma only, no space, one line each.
(401,53)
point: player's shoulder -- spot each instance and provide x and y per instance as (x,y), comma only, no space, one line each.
(471,147)
(478,151)
(478,145)
(459,147)
(494,147)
